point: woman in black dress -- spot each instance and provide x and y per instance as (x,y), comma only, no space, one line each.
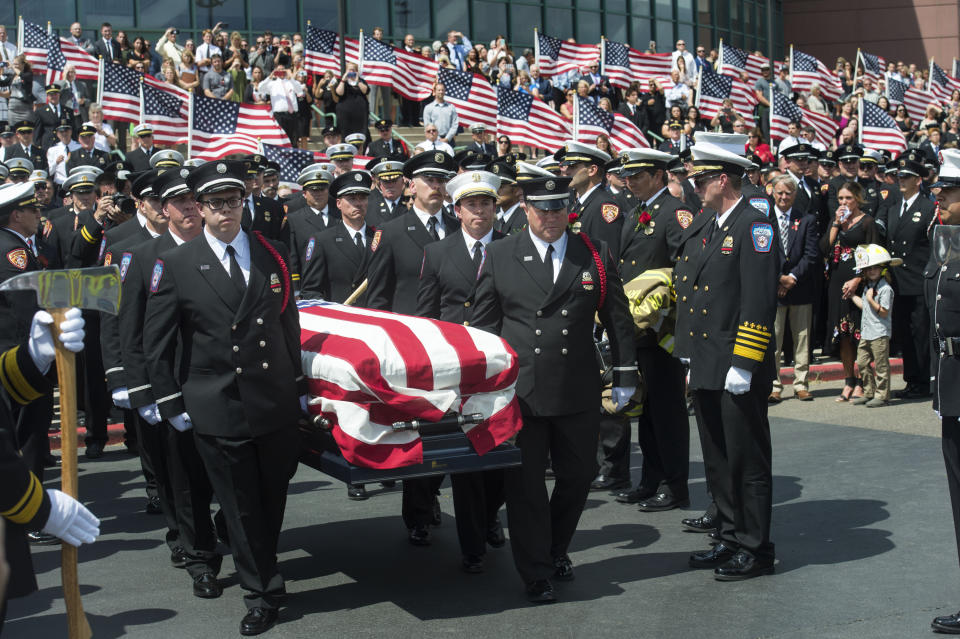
(352,106)
(851,227)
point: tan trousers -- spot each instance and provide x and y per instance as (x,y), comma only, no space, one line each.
(875,383)
(801,317)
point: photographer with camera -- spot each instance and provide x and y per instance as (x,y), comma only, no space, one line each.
(352,106)
(725,117)
(207,50)
(283,92)
(168,48)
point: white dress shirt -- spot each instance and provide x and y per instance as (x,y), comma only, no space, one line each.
(559,250)
(439,145)
(506,215)
(423,216)
(908,203)
(471,241)
(283,94)
(324,213)
(59,171)
(241,247)
(353,233)
(723,218)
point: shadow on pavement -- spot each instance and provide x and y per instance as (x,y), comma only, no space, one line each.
(104,627)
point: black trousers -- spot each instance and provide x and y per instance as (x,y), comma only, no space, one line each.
(951,459)
(154,459)
(409,112)
(290,123)
(911,330)
(250,476)
(735,439)
(613,451)
(191,494)
(664,434)
(542,525)
(477,498)
(417,504)
(93,394)
(33,426)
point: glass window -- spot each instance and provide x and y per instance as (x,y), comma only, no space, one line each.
(685,33)
(735,16)
(409,16)
(588,27)
(39,11)
(685,10)
(491,20)
(640,7)
(588,4)
(705,38)
(560,3)
(723,16)
(665,41)
(116,12)
(703,12)
(618,6)
(617,28)
(174,13)
(522,20)
(665,11)
(450,15)
(264,15)
(559,22)
(640,33)
(321,13)
(366,14)
(231,12)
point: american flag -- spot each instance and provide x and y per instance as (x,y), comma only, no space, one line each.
(46,52)
(734,61)
(321,51)
(121,93)
(624,65)
(895,90)
(873,66)
(916,101)
(714,89)
(941,84)
(471,95)
(527,120)
(222,127)
(591,121)
(367,369)
(166,113)
(411,75)
(554,56)
(806,70)
(291,160)
(878,130)
(783,112)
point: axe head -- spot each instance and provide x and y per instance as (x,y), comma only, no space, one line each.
(95,289)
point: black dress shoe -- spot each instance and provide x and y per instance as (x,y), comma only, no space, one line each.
(563,569)
(743,566)
(206,586)
(356,492)
(388,484)
(133,448)
(436,518)
(704,523)
(419,536)
(495,536)
(661,502)
(947,624)
(50,461)
(716,556)
(38,538)
(603,482)
(94,450)
(472,564)
(913,391)
(636,495)
(257,621)
(153,506)
(540,592)
(178,557)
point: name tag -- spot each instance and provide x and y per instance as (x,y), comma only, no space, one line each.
(527,258)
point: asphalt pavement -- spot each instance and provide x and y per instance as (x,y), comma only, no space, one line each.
(861,522)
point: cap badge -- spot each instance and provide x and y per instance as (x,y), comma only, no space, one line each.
(184,173)
(496,168)
(358,177)
(477,177)
(550,185)
(221,168)
(438,158)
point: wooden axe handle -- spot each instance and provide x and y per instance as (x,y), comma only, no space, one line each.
(357,293)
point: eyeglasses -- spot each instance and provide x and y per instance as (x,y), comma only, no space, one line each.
(681,44)
(700,182)
(431,131)
(218,203)
(503,141)
(39,186)
(317,188)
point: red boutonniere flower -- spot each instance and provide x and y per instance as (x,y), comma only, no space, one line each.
(643,221)
(572,217)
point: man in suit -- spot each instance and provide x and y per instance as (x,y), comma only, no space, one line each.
(448,284)
(25,146)
(726,313)
(930,148)
(226,298)
(651,236)
(797,157)
(387,200)
(908,238)
(385,146)
(107,47)
(633,109)
(87,155)
(673,144)
(510,216)
(797,289)
(50,116)
(304,224)
(261,213)
(599,214)
(599,84)
(479,144)
(139,158)
(393,280)
(540,291)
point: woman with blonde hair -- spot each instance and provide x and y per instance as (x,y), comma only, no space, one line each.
(188,71)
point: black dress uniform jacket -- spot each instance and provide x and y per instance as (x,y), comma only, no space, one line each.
(139,159)
(378,211)
(303,226)
(381,149)
(268,216)
(47,123)
(654,245)
(601,218)
(448,280)
(337,266)
(394,272)
(942,294)
(16,307)
(33,153)
(82,157)
(515,223)
(908,238)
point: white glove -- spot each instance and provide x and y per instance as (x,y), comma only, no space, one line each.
(620,395)
(181,422)
(40,346)
(121,397)
(303,404)
(70,520)
(150,414)
(738,381)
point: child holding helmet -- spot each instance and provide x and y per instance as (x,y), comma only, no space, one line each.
(876,303)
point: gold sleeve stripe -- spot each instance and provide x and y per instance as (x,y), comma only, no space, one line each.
(295,277)
(749,353)
(86,236)
(752,345)
(755,331)
(13,380)
(26,509)
(750,340)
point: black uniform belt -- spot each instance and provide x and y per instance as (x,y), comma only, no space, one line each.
(950,346)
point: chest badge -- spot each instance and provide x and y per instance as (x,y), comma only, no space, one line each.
(275,283)
(916,216)
(727,247)
(587,281)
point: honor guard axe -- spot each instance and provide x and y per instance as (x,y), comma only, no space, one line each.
(93,289)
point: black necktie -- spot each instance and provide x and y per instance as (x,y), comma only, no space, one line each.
(236,275)
(477,255)
(548,263)
(359,241)
(711,229)
(432,228)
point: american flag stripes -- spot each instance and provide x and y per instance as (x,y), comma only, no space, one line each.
(471,95)
(165,110)
(713,89)
(941,84)
(878,130)
(734,61)
(410,74)
(591,121)
(895,90)
(624,64)
(806,70)
(291,160)
(321,51)
(367,369)
(783,112)
(555,56)
(916,101)
(47,52)
(121,93)
(221,127)
(527,120)
(874,66)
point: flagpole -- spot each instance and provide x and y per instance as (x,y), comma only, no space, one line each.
(576,118)
(100,80)
(770,111)
(260,145)
(142,115)
(190,124)
(603,54)
(360,61)
(49,30)
(791,62)
(856,69)
(20,34)
(720,59)
(536,48)
(930,72)
(860,118)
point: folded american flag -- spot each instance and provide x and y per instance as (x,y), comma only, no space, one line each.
(624,64)
(734,61)
(47,52)
(321,51)
(222,127)
(874,66)
(555,56)
(714,88)
(878,130)
(368,369)
(783,112)
(806,70)
(474,99)
(591,121)
(941,84)
(527,120)
(410,74)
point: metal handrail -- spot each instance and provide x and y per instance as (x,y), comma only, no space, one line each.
(324,115)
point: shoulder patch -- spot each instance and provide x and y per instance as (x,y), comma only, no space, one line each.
(762,235)
(609,212)
(824,188)
(103,249)
(884,193)
(47,228)
(155,278)
(762,204)
(684,218)
(769,188)
(310,246)
(375,242)
(18,257)
(108,259)
(125,265)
